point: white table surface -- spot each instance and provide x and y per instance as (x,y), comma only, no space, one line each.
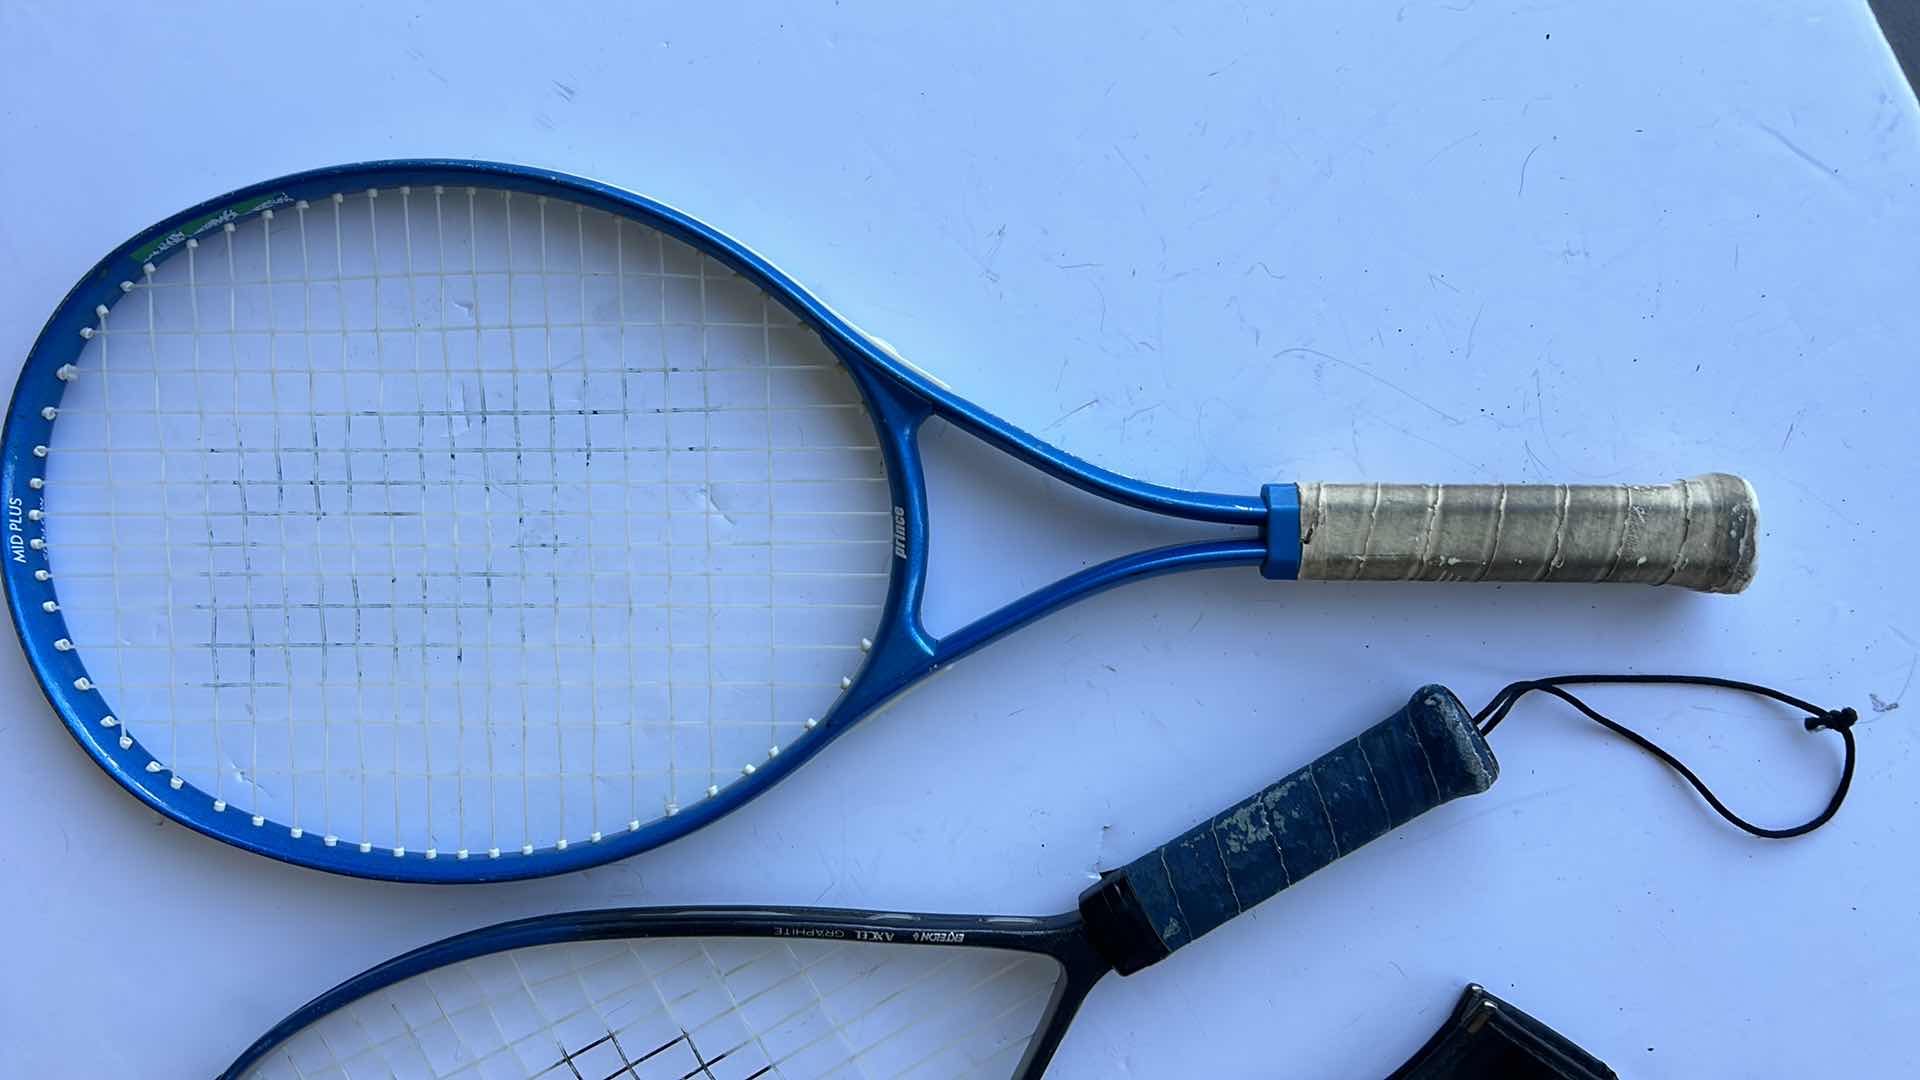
(1211,247)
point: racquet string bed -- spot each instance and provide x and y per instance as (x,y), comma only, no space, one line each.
(461,521)
(681,1008)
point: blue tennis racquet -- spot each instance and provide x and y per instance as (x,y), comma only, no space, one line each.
(813,994)
(453,521)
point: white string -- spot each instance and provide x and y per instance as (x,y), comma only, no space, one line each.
(252,777)
(106,439)
(520,517)
(280,509)
(666,491)
(586,500)
(320,700)
(459,645)
(486,487)
(443,273)
(773,612)
(626,522)
(353,550)
(166,523)
(218,765)
(420,462)
(675,598)
(385,361)
(553,468)
(706,496)
(789,1008)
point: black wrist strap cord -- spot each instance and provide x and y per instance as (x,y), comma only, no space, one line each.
(1840,720)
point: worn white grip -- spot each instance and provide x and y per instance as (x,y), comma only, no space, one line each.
(1697,534)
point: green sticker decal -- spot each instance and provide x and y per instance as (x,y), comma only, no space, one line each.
(198,226)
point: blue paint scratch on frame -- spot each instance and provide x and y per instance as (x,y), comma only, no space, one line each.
(900,399)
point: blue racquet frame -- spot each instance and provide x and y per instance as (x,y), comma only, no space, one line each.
(900,398)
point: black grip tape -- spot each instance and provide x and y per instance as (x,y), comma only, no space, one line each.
(1426,754)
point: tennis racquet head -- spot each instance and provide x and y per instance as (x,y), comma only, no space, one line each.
(453,521)
(811,994)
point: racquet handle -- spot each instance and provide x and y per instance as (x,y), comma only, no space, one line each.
(1426,754)
(1697,534)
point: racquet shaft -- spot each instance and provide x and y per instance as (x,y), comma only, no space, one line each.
(1696,534)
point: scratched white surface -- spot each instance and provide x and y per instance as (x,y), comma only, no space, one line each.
(1216,248)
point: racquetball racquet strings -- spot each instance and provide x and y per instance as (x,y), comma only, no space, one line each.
(814,994)
(692,1007)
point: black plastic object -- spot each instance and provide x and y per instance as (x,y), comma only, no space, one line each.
(1487,1038)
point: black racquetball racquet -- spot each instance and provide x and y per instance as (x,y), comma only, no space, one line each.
(452,521)
(813,994)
